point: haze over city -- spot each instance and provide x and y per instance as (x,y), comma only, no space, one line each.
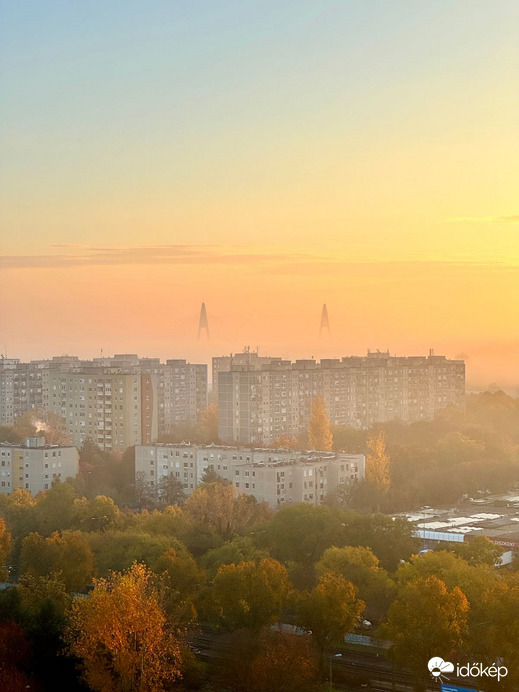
(265,158)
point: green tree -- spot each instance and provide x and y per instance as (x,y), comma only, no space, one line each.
(69,555)
(479,551)
(302,532)
(55,508)
(18,510)
(121,635)
(250,595)
(239,549)
(118,550)
(330,610)
(361,567)
(43,592)
(319,433)
(98,514)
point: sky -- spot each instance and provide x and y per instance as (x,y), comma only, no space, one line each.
(265,157)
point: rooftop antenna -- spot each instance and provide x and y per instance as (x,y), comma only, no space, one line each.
(202,322)
(325,323)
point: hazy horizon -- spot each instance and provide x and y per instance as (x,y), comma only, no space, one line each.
(265,158)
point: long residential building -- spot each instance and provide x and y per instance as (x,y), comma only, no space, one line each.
(276,476)
(115,401)
(259,404)
(34,465)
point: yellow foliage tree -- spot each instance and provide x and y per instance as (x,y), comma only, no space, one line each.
(6,545)
(319,434)
(122,637)
(377,461)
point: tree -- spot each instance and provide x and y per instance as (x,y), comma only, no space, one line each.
(273,661)
(285,442)
(47,593)
(250,595)
(6,545)
(121,635)
(377,461)
(424,620)
(220,508)
(70,556)
(319,433)
(239,549)
(49,424)
(479,551)
(55,508)
(302,532)
(207,430)
(98,514)
(9,434)
(361,567)
(170,491)
(330,610)
(15,651)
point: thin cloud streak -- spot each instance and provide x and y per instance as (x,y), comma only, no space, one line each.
(157,254)
(512,218)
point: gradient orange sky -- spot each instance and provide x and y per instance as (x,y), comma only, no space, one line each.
(264,158)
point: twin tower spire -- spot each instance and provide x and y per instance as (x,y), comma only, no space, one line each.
(203,323)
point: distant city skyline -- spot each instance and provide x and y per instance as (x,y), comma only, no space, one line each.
(265,158)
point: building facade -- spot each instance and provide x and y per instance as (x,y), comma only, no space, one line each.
(115,401)
(276,476)
(258,405)
(34,466)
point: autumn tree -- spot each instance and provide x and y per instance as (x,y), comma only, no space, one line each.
(46,423)
(319,433)
(377,460)
(426,619)
(6,545)
(221,508)
(121,635)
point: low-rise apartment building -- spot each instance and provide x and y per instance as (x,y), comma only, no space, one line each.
(277,476)
(34,466)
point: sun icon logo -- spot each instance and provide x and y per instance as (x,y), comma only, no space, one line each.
(438,667)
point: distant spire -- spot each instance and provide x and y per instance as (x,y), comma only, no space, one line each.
(203,323)
(325,324)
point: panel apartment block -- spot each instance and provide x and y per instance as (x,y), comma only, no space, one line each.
(256,406)
(277,476)
(34,466)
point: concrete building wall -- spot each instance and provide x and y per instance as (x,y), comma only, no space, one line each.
(259,406)
(278,477)
(34,469)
